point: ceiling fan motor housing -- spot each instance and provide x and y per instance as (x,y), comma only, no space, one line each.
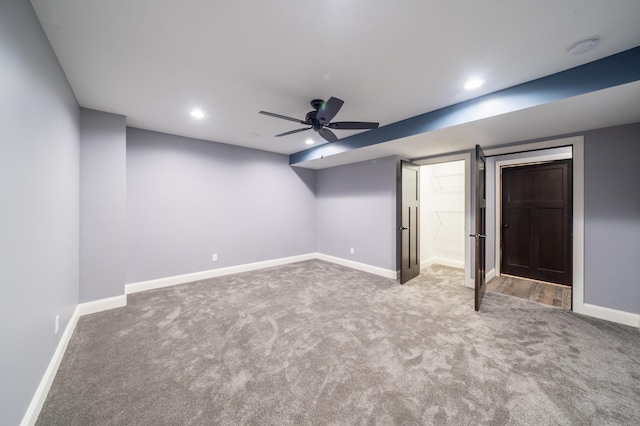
(320,120)
(312,120)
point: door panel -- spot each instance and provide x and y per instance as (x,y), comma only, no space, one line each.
(481,223)
(410,228)
(520,243)
(551,236)
(537,244)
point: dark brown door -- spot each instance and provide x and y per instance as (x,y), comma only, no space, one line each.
(481,224)
(537,221)
(409,231)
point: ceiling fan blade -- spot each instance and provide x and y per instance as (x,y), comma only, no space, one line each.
(293,131)
(353,125)
(328,135)
(284,117)
(329,110)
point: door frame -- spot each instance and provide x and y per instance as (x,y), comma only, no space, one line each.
(498,189)
(468,217)
(577,143)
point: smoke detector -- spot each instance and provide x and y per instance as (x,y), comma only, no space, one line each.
(584,46)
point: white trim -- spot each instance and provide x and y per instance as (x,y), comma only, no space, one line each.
(203,275)
(386,273)
(468,281)
(534,146)
(102,305)
(578,205)
(33,411)
(490,275)
(212,273)
(578,226)
(620,317)
(468,219)
(444,262)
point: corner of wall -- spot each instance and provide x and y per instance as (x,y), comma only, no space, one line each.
(33,411)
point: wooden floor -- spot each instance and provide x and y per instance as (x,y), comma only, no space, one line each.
(549,294)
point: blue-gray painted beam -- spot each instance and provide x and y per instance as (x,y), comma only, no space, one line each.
(621,68)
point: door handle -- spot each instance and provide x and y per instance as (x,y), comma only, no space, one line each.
(476,236)
(404,228)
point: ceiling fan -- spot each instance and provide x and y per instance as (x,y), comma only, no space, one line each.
(320,120)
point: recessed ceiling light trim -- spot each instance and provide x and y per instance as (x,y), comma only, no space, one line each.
(584,46)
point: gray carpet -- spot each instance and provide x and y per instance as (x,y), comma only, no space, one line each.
(317,343)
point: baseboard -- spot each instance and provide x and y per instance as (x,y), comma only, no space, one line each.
(203,275)
(490,275)
(40,396)
(441,261)
(386,273)
(33,411)
(102,305)
(212,273)
(621,317)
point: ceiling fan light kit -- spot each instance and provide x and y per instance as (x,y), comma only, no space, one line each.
(320,120)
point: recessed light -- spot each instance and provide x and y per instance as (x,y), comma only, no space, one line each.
(197,113)
(309,142)
(584,46)
(473,83)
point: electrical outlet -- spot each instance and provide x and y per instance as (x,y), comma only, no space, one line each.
(57,325)
(214,257)
(353,251)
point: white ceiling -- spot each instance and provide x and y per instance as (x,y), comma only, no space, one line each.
(153,61)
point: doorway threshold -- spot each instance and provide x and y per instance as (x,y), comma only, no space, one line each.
(537,291)
(535,281)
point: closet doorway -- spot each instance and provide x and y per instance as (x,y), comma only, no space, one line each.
(442,220)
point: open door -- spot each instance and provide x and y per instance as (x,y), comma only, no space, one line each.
(409,230)
(481,223)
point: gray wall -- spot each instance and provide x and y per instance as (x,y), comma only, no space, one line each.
(612,218)
(102,204)
(188,199)
(39,152)
(356,207)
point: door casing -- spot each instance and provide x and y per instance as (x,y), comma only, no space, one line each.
(466,157)
(577,142)
(498,210)
(526,216)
